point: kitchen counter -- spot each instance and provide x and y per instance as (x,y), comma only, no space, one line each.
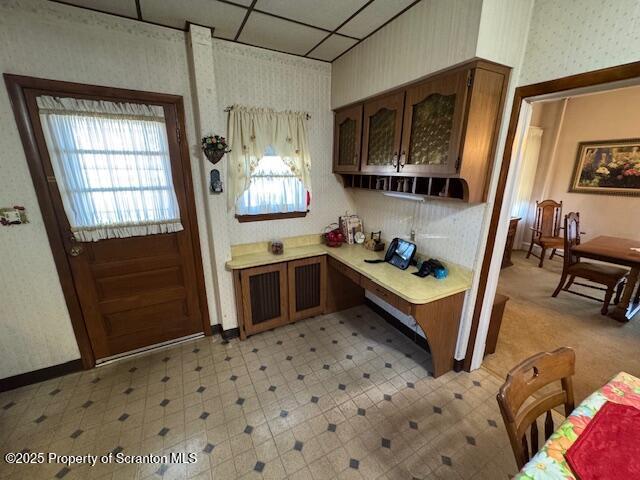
(411,288)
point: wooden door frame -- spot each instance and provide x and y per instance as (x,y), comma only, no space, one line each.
(582,80)
(16,86)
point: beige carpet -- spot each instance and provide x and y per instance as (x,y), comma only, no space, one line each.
(535,322)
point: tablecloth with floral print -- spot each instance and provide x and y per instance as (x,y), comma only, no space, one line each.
(549,463)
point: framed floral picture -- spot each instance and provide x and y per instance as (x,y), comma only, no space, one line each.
(608,167)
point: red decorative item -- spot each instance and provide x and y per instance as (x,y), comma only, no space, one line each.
(333,236)
(609,446)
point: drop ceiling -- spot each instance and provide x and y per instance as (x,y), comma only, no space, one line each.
(319,29)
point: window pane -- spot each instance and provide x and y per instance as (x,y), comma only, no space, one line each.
(273,189)
(111,171)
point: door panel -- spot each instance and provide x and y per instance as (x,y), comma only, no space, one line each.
(382,129)
(264,297)
(137,291)
(432,127)
(346,138)
(307,287)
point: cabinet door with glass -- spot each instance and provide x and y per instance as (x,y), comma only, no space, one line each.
(433,114)
(382,129)
(346,139)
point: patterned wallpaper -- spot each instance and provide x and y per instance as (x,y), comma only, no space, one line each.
(574,36)
(445,229)
(254,77)
(55,41)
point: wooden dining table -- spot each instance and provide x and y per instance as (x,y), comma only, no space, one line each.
(550,462)
(620,251)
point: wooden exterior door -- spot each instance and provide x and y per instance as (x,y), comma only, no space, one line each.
(132,292)
(432,126)
(346,139)
(264,298)
(382,130)
(307,287)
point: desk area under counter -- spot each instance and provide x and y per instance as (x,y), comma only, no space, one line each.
(311,279)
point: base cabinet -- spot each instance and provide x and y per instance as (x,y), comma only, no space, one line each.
(274,295)
(307,287)
(265,302)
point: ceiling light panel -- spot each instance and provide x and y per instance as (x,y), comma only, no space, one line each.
(332,47)
(126,8)
(224,18)
(328,14)
(270,32)
(372,17)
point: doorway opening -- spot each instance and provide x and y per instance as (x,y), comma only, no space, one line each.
(540,163)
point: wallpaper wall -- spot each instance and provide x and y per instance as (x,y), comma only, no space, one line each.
(254,77)
(574,36)
(50,40)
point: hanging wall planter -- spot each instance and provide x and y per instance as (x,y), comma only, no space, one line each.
(214,148)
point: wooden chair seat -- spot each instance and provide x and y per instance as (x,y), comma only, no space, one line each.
(610,276)
(598,272)
(545,231)
(549,242)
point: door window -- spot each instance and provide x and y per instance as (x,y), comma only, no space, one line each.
(111,162)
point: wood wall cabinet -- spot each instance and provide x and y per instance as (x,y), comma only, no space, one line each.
(439,133)
(264,297)
(433,117)
(347,136)
(382,133)
(307,287)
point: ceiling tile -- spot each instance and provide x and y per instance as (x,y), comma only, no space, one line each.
(225,18)
(332,47)
(327,14)
(373,16)
(270,32)
(126,8)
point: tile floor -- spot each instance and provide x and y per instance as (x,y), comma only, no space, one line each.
(340,396)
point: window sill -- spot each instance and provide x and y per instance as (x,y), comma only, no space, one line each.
(270,216)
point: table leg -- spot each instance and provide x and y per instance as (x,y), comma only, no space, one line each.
(440,321)
(621,312)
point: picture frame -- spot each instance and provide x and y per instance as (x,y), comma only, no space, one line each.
(607,167)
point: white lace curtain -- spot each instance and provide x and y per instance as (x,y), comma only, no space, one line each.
(254,131)
(112,166)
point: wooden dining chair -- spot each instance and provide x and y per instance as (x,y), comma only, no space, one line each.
(522,382)
(546,229)
(612,277)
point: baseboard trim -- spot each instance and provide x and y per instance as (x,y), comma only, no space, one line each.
(458,365)
(225,334)
(41,375)
(230,333)
(394,322)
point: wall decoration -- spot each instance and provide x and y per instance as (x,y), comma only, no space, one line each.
(214,147)
(15,215)
(215,184)
(608,167)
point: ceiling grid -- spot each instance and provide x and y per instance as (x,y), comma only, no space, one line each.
(318,29)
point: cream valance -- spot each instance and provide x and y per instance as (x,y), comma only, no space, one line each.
(252,131)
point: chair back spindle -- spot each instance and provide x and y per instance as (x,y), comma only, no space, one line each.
(520,412)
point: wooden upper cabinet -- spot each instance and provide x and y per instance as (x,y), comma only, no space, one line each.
(382,130)
(433,120)
(347,134)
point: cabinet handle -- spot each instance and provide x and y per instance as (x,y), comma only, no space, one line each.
(403,160)
(394,160)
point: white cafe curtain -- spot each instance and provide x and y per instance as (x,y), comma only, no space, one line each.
(112,166)
(255,131)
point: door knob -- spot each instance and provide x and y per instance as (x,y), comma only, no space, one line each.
(76,250)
